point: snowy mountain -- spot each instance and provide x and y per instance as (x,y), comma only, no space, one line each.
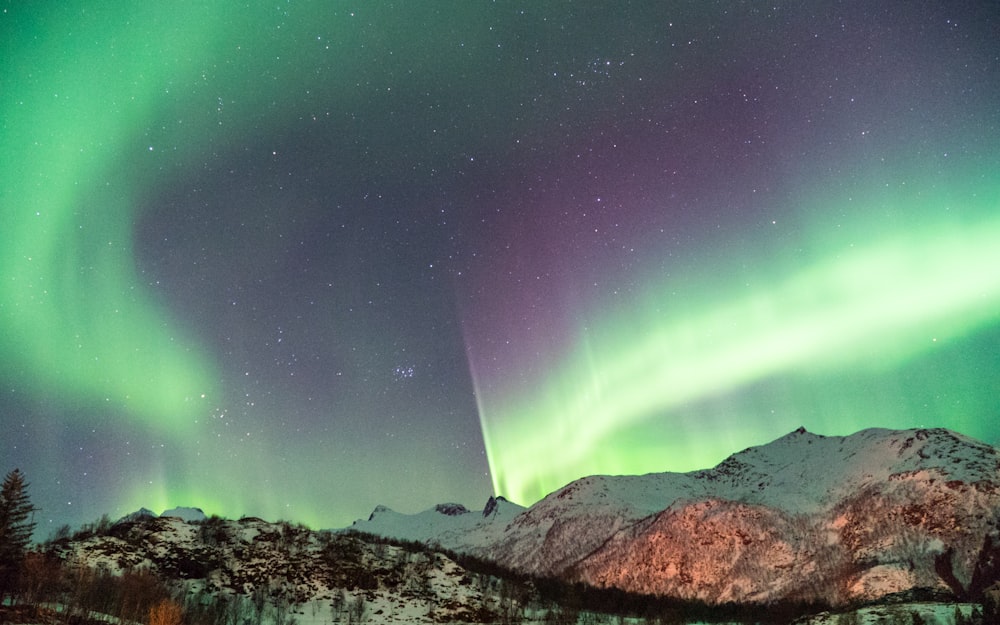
(881,515)
(449,525)
(192,515)
(138,515)
(185,514)
(805,517)
(253,571)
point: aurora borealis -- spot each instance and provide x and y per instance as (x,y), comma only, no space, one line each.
(301,258)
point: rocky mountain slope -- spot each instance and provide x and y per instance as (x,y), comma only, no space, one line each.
(803,519)
(250,570)
(806,517)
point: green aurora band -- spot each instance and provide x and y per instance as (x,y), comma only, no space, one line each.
(95,104)
(615,406)
(101,107)
(92,105)
(79,324)
(93,119)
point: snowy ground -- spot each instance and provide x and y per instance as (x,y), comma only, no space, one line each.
(388,610)
(931,613)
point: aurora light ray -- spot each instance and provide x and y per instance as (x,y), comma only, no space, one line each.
(869,308)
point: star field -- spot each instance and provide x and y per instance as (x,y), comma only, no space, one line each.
(299,259)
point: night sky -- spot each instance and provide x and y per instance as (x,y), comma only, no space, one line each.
(298,259)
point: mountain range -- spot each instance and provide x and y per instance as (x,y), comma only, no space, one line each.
(838,519)
(806,519)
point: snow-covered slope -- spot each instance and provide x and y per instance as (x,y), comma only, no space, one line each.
(449,525)
(838,518)
(931,613)
(257,571)
(804,472)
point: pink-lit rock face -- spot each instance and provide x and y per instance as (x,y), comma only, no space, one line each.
(721,551)
(711,550)
(835,519)
(806,517)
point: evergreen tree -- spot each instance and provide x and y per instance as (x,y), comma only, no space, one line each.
(16,526)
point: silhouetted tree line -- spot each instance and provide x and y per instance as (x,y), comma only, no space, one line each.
(52,590)
(35,585)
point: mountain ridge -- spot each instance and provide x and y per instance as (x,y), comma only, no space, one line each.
(803,501)
(806,517)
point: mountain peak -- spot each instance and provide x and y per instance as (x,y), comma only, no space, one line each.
(138,515)
(492,504)
(185,514)
(379,510)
